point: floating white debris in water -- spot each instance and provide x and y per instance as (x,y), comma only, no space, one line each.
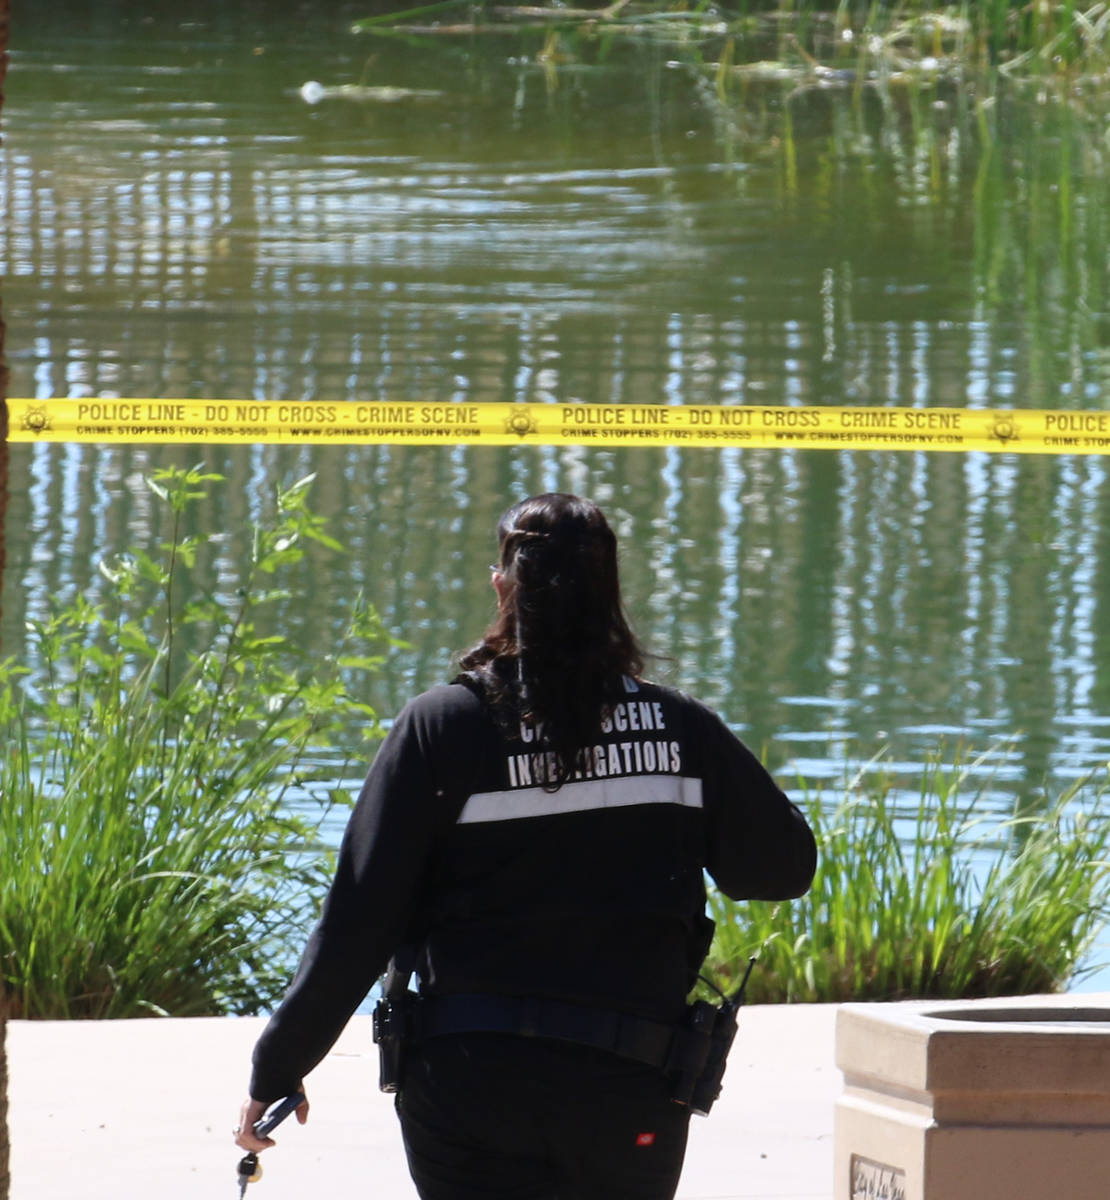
(313,92)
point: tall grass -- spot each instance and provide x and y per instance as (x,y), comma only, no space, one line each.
(150,861)
(934,900)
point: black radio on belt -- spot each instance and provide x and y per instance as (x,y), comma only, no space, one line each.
(700,1049)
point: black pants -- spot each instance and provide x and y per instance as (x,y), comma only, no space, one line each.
(494,1115)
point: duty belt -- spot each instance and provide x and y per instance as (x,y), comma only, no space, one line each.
(645,1041)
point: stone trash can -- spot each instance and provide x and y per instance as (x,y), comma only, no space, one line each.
(974,1100)
(5,1177)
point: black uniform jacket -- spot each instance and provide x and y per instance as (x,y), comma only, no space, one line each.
(592,891)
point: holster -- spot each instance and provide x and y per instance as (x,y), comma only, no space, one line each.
(391,1026)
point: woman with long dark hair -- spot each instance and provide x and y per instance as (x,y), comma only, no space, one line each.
(532,840)
(560,646)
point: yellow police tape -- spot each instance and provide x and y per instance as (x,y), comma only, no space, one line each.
(1023,431)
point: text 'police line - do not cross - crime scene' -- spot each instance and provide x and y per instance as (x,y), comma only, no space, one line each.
(1023,431)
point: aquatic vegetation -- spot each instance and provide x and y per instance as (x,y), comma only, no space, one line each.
(1018,39)
(930,899)
(151,860)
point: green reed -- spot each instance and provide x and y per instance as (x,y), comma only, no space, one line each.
(934,900)
(1047,39)
(150,859)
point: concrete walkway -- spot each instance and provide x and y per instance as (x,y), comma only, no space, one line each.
(130,1110)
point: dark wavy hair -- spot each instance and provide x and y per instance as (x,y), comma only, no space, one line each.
(558,650)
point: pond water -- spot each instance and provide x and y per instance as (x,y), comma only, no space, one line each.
(596,223)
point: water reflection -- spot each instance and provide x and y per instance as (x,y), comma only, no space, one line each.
(178,221)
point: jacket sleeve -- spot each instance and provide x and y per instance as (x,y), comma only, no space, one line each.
(381,866)
(759,845)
